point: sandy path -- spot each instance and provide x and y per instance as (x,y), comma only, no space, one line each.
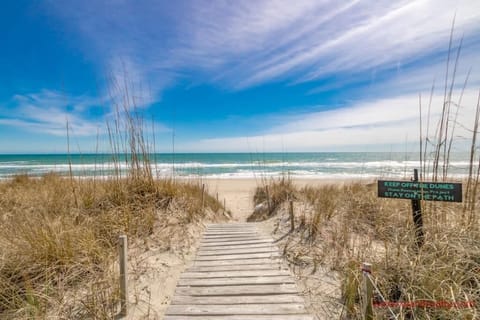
(238,195)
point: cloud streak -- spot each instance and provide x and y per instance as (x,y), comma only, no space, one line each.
(390,122)
(390,35)
(49,112)
(256,42)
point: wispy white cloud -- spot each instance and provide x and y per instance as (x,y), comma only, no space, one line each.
(373,35)
(49,112)
(361,126)
(413,79)
(255,42)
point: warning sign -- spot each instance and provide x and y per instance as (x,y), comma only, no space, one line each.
(431,191)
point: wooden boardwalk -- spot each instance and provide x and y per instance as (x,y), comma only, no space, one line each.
(237,275)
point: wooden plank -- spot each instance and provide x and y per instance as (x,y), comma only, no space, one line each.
(238,246)
(232,243)
(228,240)
(237,309)
(229,232)
(218,252)
(232,238)
(236,262)
(247,256)
(209,245)
(235,241)
(242,317)
(261,289)
(230,281)
(231,229)
(279,298)
(234,273)
(244,253)
(222,224)
(264,266)
(235,229)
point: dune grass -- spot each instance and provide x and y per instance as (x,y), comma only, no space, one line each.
(341,226)
(57,234)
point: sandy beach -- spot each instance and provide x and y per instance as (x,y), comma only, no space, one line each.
(238,193)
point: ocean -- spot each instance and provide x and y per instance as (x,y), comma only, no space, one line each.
(343,165)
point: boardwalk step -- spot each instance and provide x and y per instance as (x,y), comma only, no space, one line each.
(237,309)
(218,252)
(271,299)
(231,239)
(263,289)
(264,266)
(224,257)
(235,281)
(232,243)
(228,232)
(236,275)
(230,235)
(234,262)
(238,246)
(241,317)
(233,273)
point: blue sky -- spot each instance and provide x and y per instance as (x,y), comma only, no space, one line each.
(225,76)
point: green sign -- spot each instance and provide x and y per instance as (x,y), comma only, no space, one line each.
(431,191)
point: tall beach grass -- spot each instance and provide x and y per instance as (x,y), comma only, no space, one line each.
(58,234)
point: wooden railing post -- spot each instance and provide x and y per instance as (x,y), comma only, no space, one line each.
(367,292)
(417,216)
(122,249)
(268,199)
(292,218)
(203,196)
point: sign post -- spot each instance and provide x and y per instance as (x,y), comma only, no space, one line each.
(417,216)
(416,191)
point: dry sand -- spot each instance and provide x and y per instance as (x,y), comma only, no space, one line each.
(238,193)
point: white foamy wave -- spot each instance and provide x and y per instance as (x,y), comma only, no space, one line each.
(187,165)
(352,164)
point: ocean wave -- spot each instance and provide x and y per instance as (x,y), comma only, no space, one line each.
(327,168)
(320,164)
(300,174)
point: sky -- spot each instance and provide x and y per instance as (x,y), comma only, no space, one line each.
(236,76)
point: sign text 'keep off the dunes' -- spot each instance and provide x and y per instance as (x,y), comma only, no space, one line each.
(431,191)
